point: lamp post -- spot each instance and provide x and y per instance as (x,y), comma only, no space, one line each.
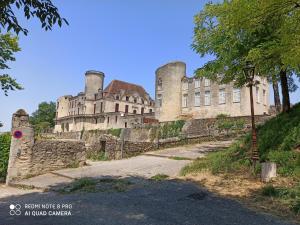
(249,70)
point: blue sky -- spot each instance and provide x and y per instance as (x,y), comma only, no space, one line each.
(127,40)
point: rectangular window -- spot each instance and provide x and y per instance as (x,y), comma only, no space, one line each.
(207,98)
(236,95)
(197,99)
(117,107)
(150,110)
(184,100)
(127,98)
(94,108)
(185,85)
(126,108)
(116,119)
(257,95)
(222,96)
(107,120)
(206,82)
(159,100)
(264,97)
(142,110)
(197,83)
(101,107)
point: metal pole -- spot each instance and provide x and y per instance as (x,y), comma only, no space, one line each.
(255,156)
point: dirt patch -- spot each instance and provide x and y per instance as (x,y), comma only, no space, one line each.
(248,191)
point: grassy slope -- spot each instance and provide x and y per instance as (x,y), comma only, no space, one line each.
(278,139)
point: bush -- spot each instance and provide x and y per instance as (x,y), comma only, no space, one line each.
(171,129)
(115,132)
(269,191)
(5,140)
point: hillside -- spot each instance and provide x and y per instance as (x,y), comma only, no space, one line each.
(278,141)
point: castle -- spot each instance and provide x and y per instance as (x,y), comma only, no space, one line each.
(180,97)
(122,104)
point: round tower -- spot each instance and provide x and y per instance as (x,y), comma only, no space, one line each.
(168,91)
(93,83)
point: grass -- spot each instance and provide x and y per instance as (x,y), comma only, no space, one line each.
(278,139)
(159,177)
(85,185)
(179,158)
(97,156)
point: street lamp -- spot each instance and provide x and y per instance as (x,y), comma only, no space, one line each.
(249,70)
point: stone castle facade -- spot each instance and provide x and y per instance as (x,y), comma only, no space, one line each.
(122,104)
(119,105)
(180,97)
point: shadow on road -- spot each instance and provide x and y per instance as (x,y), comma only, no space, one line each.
(140,201)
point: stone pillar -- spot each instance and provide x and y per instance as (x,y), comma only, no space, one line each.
(21,147)
(268,171)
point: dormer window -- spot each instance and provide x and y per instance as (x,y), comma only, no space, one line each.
(127,98)
(117,97)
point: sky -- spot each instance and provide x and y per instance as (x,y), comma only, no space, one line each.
(127,40)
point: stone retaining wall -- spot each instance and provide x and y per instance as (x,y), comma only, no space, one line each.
(29,157)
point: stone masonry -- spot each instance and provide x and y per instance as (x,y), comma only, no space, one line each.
(28,157)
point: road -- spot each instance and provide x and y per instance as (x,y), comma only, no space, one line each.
(143,201)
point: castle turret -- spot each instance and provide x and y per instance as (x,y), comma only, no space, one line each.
(93,83)
(168,91)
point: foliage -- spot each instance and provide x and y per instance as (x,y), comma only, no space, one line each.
(8,45)
(5,140)
(269,191)
(44,10)
(225,123)
(272,145)
(43,118)
(97,156)
(171,129)
(263,32)
(115,132)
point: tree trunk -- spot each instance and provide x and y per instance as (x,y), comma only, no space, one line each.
(285,91)
(276,96)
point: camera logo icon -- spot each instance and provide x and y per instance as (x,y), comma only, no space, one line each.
(15,209)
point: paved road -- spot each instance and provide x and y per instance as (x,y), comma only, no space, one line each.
(147,202)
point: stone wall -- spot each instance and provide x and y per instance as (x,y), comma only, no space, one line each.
(29,157)
(48,155)
(207,127)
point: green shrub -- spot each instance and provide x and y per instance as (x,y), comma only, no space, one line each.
(171,129)
(115,132)
(5,140)
(97,156)
(269,191)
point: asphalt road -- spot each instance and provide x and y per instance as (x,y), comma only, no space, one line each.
(147,202)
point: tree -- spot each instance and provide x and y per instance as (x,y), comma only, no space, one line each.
(8,46)
(43,117)
(262,32)
(44,10)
